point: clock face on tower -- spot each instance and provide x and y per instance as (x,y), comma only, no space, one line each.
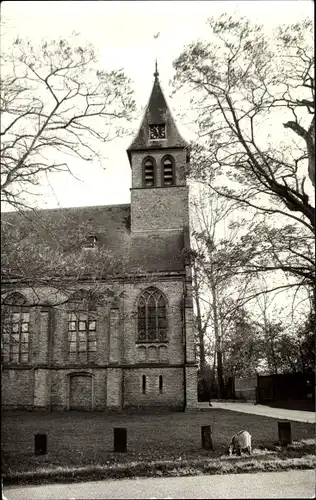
(157,131)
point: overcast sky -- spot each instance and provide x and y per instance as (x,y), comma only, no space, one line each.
(122,33)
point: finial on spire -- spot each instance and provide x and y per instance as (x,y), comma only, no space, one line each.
(156,74)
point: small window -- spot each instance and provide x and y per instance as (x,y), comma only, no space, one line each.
(160,384)
(91,242)
(168,171)
(149,172)
(144,384)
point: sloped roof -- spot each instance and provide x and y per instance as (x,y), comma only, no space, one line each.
(157,111)
(66,229)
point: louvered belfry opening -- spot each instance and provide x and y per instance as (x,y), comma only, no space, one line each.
(149,173)
(168,177)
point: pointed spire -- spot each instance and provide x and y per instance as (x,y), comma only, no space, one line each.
(157,112)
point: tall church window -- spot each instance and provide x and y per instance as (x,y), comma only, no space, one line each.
(152,317)
(15,329)
(148,172)
(168,171)
(82,324)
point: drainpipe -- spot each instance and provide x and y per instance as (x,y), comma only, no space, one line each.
(122,330)
(50,353)
(184,344)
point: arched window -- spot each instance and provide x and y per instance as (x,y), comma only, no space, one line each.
(152,317)
(168,177)
(15,329)
(149,172)
(82,325)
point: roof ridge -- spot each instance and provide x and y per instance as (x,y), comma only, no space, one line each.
(88,207)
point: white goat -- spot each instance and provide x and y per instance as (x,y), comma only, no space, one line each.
(240,441)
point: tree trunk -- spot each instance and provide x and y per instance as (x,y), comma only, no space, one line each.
(302,358)
(309,137)
(199,322)
(275,367)
(220,378)
(219,355)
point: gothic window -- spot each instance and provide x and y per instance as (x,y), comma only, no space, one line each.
(168,171)
(148,172)
(82,342)
(152,317)
(15,329)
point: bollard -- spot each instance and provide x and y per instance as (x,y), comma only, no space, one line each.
(40,444)
(285,436)
(206,434)
(120,439)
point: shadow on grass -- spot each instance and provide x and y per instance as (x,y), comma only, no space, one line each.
(167,468)
(299,455)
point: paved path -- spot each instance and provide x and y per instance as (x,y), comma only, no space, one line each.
(290,484)
(280,413)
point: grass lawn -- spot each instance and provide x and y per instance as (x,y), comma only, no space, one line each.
(78,439)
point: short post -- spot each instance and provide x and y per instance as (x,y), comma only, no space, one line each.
(40,444)
(257,389)
(285,436)
(120,439)
(206,434)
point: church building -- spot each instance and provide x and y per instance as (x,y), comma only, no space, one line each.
(124,339)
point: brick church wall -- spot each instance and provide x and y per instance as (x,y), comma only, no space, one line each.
(17,388)
(44,387)
(172,395)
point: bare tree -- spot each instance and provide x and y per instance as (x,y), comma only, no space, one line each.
(241,80)
(283,339)
(243,346)
(247,91)
(55,103)
(216,285)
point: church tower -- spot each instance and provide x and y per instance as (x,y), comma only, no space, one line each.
(158,157)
